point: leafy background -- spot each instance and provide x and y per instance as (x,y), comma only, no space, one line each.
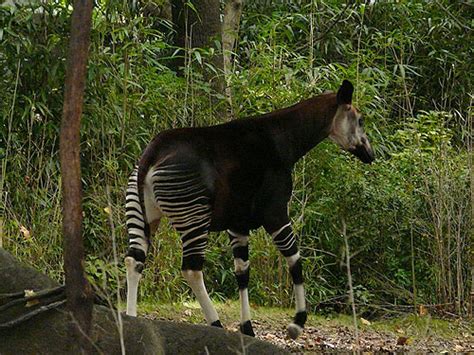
(408,216)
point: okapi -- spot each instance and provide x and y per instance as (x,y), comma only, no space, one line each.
(236,177)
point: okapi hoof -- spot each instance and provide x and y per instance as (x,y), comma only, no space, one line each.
(294,330)
(247,329)
(217,324)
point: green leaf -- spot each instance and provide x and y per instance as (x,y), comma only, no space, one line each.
(198,57)
(191,6)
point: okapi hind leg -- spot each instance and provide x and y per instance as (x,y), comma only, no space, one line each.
(183,196)
(192,272)
(240,251)
(135,263)
(134,274)
(139,231)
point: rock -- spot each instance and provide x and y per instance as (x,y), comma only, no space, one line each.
(46,333)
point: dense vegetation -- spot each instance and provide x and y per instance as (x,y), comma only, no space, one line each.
(408,217)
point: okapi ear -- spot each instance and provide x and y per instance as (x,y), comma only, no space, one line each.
(344,94)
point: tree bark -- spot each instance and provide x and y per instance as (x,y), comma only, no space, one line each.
(78,290)
(470,150)
(230,32)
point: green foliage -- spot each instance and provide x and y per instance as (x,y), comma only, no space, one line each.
(410,64)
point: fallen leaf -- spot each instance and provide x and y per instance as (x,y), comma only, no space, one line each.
(422,310)
(108,210)
(26,233)
(188,312)
(403,341)
(33,302)
(365,321)
(29,293)
(329,345)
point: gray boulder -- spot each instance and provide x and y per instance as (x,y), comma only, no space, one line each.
(47,332)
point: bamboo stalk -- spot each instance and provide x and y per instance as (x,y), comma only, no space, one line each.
(118,317)
(349,280)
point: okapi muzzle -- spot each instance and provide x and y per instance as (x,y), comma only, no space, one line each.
(364,152)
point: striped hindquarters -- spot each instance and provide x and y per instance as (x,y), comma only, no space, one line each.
(136,226)
(183,197)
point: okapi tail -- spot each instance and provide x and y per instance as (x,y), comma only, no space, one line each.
(138,229)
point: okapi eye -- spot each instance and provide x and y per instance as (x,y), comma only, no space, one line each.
(361,122)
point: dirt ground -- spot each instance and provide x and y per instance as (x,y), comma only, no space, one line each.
(337,333)
(335,338)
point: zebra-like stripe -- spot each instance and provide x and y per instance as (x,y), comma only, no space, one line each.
(182,196)
(237,240)
(134,214)
(285,240)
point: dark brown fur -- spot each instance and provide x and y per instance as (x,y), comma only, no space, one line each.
(247,163)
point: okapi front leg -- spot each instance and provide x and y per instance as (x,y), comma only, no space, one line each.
(285,241)
(240,250)
(296,270)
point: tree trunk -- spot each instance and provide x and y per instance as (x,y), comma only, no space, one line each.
(470,150)
(78,290)
(198,26)
(230,32)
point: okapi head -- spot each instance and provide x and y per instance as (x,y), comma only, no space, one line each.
(347,128)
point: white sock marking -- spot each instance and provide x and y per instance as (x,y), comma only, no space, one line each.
(291,260)
(240,266)
(244,305)
(196,281)
(133,277)
(300,301)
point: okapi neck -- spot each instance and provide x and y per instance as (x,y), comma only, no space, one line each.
(299,128)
